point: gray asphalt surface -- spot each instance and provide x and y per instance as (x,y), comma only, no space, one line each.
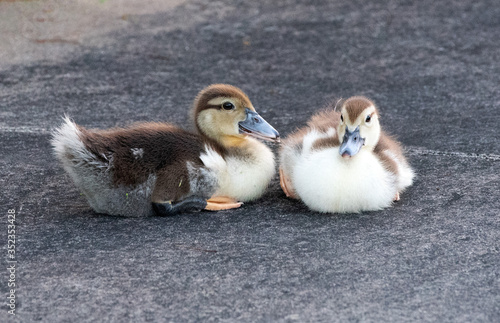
(433,68)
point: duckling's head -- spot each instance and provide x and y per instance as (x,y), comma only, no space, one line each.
(225,114)
(359,126)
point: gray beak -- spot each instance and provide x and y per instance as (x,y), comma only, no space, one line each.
(352,143)
(254,125)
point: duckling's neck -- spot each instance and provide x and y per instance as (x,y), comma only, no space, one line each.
(232,144)
(240,145)
(232,141)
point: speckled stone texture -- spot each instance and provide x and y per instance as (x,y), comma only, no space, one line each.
(433,68)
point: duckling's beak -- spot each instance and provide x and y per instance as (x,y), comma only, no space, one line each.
(352,143)
(254,125)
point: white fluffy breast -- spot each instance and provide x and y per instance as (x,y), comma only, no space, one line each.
(328,183)
(243,177)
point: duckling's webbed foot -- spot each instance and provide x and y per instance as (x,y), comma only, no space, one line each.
(189,204)
(217,203)
(286,185)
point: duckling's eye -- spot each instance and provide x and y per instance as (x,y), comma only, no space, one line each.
(341,118)
(227,106)
(368,118)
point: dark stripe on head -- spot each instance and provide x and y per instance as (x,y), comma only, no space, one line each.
(356,105)
(215,91)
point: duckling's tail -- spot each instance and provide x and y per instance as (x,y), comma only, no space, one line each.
(91,173)
(70,149)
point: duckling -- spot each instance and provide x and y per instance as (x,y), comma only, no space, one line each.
(342,162)
(158,168)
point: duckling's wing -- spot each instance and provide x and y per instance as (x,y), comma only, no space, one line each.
(135,152)
(390,152)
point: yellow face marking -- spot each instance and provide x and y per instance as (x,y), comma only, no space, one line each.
(221,124)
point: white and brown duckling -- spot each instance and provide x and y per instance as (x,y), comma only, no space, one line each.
(158,168)
(342,162)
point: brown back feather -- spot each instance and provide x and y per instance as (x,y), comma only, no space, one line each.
(164,147)
(324,120)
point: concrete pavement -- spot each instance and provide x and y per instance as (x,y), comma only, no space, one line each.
(433,68)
